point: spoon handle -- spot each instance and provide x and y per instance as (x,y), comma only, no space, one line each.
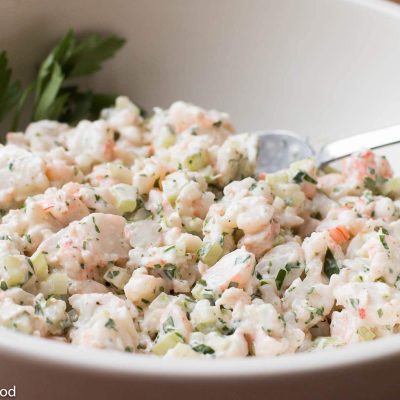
(370,140)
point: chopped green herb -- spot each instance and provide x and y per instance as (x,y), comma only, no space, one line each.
(203,348)
(330,265)
(170,271)
(370,184)
(354,303)
(38,308)
(168,325)
(112,274)
(169,248)
(303,176)
(95,225)
(280,277)
(383,241)
(110,324)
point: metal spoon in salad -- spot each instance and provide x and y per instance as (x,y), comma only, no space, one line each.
(277,149)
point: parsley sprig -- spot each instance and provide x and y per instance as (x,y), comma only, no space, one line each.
(55,95)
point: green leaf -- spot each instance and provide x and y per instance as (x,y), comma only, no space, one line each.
(60,54)
(77,106)
(10,92)
(330,265)
(45,107)
(90,53)
(53,99)
(100,101)
(20,105)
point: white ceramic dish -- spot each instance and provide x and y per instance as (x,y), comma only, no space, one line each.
(328,68)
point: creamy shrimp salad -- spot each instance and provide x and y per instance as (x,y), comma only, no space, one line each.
(155,236)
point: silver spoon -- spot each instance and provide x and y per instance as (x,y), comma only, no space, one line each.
(278,148)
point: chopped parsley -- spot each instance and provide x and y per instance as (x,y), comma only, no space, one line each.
(110,324)
(95,225)
(112,274)
(170,271)
(383,241)
(168,325)
(203,348)
(354,303)
(330,264)
(280,277)
(302,176)
(169,248)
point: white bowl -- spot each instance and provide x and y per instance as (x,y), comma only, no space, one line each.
(325,68)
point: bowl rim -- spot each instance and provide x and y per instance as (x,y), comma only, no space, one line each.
(63,355)
(44,351)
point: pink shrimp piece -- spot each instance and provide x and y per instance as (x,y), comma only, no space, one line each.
(64,204)
(366,164)
(184,116)
(233,269)
(84,245)
(260,242)
(179,318)
(329,181)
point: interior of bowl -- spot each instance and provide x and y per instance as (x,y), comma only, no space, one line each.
(273,64)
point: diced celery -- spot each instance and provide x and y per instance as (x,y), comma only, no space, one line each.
(290,193)
(195,161)
(172,185)
(161,301)
(15,271)
(193,225)
(40,265)
(210,253)
(366,333)
(200,292)
(328,169)
(277,177)
(125,197)
(326,342)
(55,284)
(166,137)
(117,276)
(167,342)
(392,185)
(120,173)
